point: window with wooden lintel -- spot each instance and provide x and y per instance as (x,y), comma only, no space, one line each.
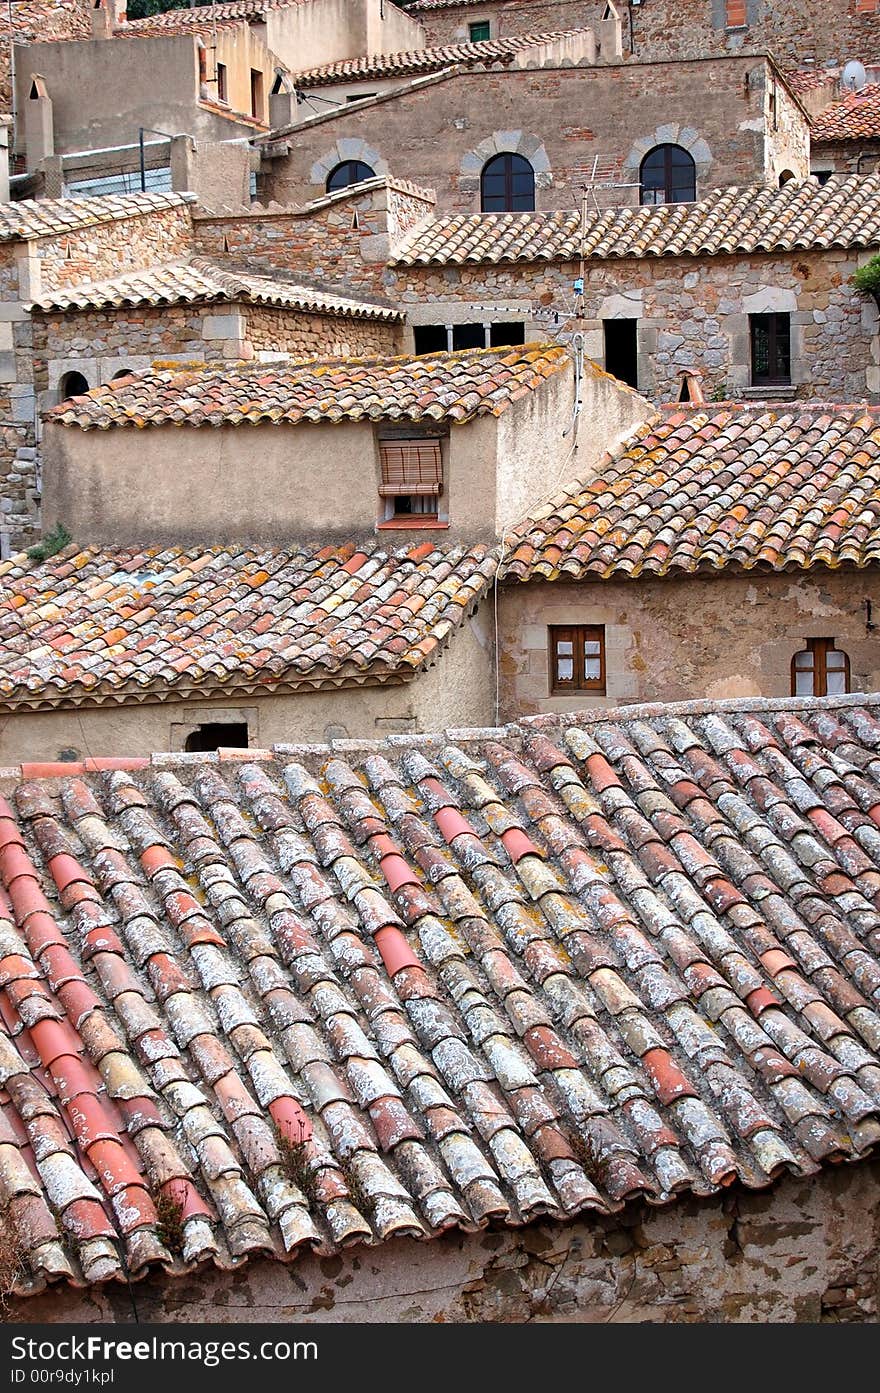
(411,478)
(820,669)
(771,349)
(577,658)
(222,83)
(257,103)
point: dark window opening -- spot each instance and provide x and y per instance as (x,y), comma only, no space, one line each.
(507,185)
(123,372)
(430,338)
(479,33)
(668,175)
(786,177)
(216,734)
(502,334)
(359,96)
(823,175)
(278,85)
(621,350)
(222,86)
(347,173)
(468,336)
(72,384)
(577,658)
(256,94)
(771,348)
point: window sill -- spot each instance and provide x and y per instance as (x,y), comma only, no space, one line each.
(770,391)
(425,524)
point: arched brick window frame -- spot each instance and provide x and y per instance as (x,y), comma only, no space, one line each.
(345,149)
(524,143)
(671,134)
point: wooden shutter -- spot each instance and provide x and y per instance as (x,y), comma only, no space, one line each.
(411,468)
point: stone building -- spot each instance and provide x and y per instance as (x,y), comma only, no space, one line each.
(266,549)
(845,134)
(518,138)
(722,550)
(607,986)
(669,288)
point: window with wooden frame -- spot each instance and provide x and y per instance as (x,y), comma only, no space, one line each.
(771,349)
(222,84)
(480,31)
(577,658)
(412,478)
(820,669)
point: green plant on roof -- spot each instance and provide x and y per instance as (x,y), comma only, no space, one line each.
(52,543)
(867,278)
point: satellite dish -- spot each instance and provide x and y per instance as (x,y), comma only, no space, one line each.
(854,76)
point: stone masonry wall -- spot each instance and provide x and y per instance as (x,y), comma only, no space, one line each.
(108,249)
(683,639)
(806,1250)
(561,119)
(273,330)
(820,30)
(506,17)
(691,313)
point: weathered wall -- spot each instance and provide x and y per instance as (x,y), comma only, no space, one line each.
(691,313)
(806,1250)
(324,31)
(102,343)
(845,156)
(682,639)
(106,249)
(457,691)
(38,19)
(822,30)
(506,17)
(441,132)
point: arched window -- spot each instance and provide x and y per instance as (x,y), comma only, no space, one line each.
(72,384)
(507,185)
(123,372)
(347,173)
(786,177)
(820,669)
(668,175)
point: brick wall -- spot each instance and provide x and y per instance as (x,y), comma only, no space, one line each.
(561,119)
(691,313)
(806,1250)
(674,639)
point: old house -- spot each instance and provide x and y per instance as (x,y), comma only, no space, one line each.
(751,286)
(532,132)
(588,1007)
(263,549)
(724,550)
(845,134)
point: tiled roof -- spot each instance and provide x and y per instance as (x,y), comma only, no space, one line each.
(811,79)
(99,624)
(52,217)
(187,20)
(855,117)
(845,212)
(258,1003)
(709,487)
(436,387)
(198,280)
(426,60)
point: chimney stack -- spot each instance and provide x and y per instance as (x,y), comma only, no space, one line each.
(690,388)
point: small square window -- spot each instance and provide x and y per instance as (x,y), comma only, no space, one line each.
(577,658)
(479,33)
(820,669)
(412,477)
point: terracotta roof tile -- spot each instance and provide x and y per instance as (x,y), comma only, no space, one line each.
(434,387)
(226,618)
(198,280)
(856,116)
(427,60)
(188,20)
(844,212)
(323,1071)
(709,487)
(52,217)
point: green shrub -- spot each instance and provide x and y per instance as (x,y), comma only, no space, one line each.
(867,277)
(52,543)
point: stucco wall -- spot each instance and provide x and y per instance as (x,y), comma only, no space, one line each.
(325,31)
(683,639)
(457,691)
(691,313)
(806,1250)
(442,132)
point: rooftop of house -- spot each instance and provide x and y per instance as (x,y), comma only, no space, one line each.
(97,624)
(453,387)
(800,216)
(428,60)
(199,280)
(856,116)
(316,996)
(31,219)
(711,487)
(189,19)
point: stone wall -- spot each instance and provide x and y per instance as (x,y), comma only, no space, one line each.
(682,639)
(442,132)
(457,691)
(806,1251)
(690,312)
(108,249)
(269,329)
(846,156)
(506,17)
(820,30)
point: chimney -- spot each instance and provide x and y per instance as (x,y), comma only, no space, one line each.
(107,15)
(39,125)
(690,388)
